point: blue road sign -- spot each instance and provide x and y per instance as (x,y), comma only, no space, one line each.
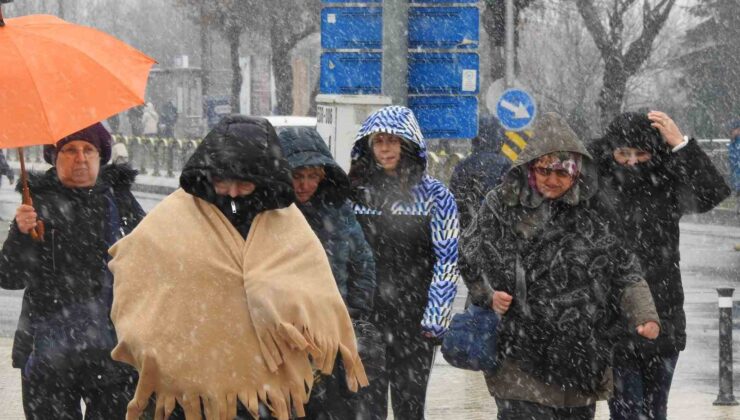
(516,109)
(440,73)
(439,1)
(444,27)
(351,73)
(446,117)
(352,27)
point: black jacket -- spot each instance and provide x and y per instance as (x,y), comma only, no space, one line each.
(4,167)
(331,217)
(480,172)
(650,205)
(70,266)
(410,221)
(242,148)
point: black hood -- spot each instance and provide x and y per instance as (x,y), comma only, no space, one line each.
(243,148)
(304,147)
(632,129)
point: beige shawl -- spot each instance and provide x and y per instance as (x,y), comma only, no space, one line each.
(203,314)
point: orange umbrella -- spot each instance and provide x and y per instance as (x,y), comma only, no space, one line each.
(58,78)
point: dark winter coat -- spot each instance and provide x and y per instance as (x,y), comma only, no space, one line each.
(734,161)
(480,172)
(650,202)
(330,215)
(241,148)
(410,222)
(69,267)
(4,167)
(565,265)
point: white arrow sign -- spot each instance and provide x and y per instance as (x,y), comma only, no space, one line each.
(519,110)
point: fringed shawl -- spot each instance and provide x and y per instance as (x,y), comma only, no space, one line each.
(203,314)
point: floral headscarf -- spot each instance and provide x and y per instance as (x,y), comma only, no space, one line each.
(569,161)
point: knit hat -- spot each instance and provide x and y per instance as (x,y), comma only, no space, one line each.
(96,135)
(633,129)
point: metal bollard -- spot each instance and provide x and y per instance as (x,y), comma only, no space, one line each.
(725,396)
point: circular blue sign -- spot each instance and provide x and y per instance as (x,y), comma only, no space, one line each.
(516,109)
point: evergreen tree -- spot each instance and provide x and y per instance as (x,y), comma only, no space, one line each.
(712,66)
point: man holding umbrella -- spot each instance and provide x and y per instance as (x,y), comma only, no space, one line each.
(66,84)
(64,336)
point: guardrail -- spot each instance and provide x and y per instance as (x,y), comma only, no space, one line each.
(159,156)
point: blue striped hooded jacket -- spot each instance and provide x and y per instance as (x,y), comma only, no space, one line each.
(411,221)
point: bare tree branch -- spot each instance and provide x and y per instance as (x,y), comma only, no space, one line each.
(591,19)
(653,20)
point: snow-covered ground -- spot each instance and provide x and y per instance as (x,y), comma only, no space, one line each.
(708,261)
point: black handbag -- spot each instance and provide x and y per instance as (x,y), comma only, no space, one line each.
(470,342)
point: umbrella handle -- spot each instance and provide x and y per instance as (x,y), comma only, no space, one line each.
(37,233)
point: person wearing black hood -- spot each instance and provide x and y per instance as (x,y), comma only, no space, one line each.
(239,168)
(655,175)
(480,172)
(322,189)
(64,338)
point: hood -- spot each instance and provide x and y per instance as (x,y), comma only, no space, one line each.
(243,148)
(632,129)
(399,121)
(490,135)
(110,176)
(304,147)
(550,134)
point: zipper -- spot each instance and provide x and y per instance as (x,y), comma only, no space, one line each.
(233,207)
(124,224)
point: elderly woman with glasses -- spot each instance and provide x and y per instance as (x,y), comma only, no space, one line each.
(64,338)
(545,252)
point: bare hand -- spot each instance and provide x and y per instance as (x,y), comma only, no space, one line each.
(667,127)
(26,218)
(500,302)
(649,330)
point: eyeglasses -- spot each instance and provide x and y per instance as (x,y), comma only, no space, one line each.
(545,172)
(71,152)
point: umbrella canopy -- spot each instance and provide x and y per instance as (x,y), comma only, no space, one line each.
(58,78)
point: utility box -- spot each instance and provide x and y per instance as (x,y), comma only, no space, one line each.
(339,117)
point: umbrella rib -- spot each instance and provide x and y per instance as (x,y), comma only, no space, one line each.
(36,91)
(40,35)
